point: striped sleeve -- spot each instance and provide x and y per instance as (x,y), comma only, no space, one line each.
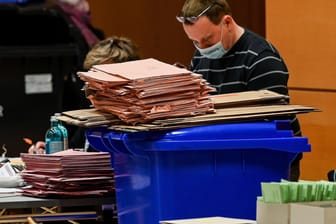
(268,72)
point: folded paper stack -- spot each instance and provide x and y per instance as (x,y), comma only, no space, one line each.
(68,173)
(144,90)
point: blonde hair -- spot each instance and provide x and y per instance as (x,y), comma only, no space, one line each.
(112,50)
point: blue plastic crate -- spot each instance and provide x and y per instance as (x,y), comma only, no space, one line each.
(213,170)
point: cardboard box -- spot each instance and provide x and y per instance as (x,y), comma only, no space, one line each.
(271,213)
(313,213)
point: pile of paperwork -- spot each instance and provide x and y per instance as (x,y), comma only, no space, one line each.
(302,191)
(68,173)
(144,90)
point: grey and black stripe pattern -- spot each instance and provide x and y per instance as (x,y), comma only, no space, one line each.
(251,64)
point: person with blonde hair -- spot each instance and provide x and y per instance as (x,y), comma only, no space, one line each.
(110,50)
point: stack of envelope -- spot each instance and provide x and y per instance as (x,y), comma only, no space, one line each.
(68,173)
(144,90)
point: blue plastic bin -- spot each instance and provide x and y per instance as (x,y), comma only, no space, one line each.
(212,170)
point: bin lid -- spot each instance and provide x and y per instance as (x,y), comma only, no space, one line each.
(273,135)
(242,130)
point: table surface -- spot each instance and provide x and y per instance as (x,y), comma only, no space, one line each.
(19,201)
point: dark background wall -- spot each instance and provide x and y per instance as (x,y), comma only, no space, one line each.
(152,24)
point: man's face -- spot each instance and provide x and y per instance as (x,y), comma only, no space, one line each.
(203,32)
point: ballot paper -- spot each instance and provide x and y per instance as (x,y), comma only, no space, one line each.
(297,191)
(141,69)
(154,90)
(68,173)
(210,220)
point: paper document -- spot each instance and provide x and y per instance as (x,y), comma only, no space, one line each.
(6,170)
(211,220)
(68,173)
(9,191)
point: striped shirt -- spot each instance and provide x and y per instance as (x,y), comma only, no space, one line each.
(251,64)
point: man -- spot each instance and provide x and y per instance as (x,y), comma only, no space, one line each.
(232,58)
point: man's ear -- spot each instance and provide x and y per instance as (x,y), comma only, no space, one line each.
(226,20)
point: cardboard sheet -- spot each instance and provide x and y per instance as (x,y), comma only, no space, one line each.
(238,107)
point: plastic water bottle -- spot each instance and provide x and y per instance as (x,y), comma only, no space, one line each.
(54,137)
(64,132)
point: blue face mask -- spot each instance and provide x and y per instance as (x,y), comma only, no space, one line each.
(215,51)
